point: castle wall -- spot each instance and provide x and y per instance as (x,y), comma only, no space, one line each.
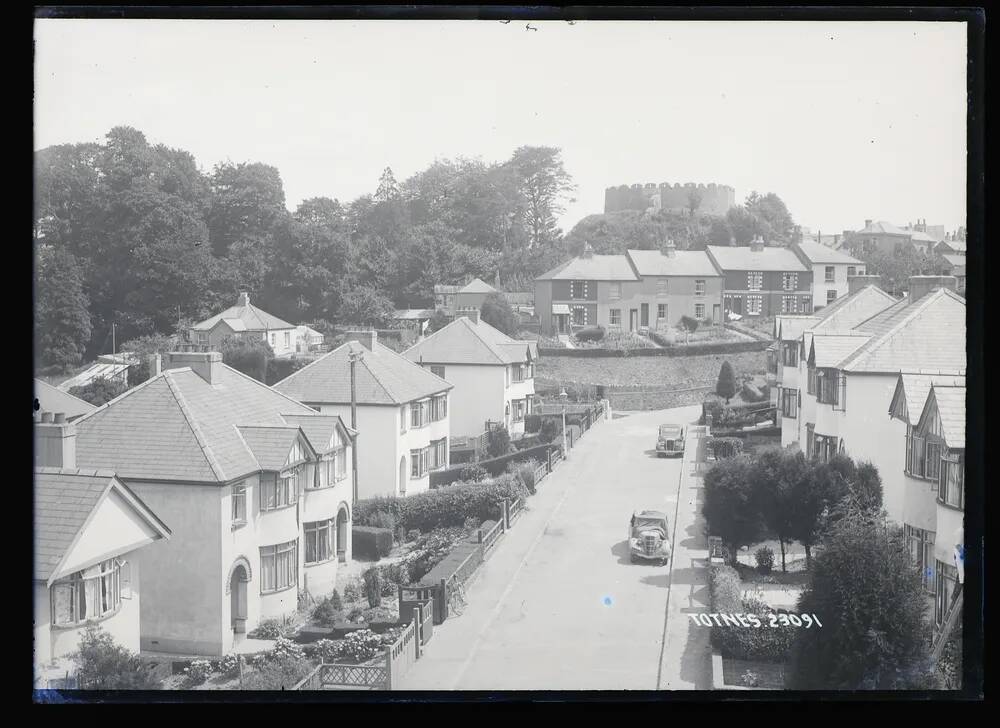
(715,199)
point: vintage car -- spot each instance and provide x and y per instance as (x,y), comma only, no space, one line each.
(670,441)
(648,538)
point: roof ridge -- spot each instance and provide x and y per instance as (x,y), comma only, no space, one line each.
(488,344)
(195,429)
(365,362)
(246,445)
(281,394)
(126,393)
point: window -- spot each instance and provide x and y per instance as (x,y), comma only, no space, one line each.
(851,270)
(518,373)
(274,340)
(579,316)
(437,370)
(439,407)
(825,447)
(811,381)
(789,281)
(699,311)
(319,541)
(239,498)
(402,418)
(288,339)
(830,386)
(790,354)
(828,274)
(806,306)
(917,455)
(789,403)
(279,566)
(932,463)
(661,286)
(203,338)
(789,304)
(944,588)
(921,547)
(278,492)
(810,440)
(438,454)
(699,287)
(92,593)
(419,460)
(755,280)
(754,305)
(661,311)
(615,317)
(831,295)
(519,409)
(951,488)
(578,289)
(615,291)
(417,414)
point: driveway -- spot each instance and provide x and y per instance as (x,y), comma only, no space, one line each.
(558,605)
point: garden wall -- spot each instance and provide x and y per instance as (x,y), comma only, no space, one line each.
(721,347)
(494,466)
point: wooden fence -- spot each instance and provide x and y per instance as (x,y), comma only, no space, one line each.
(488,538)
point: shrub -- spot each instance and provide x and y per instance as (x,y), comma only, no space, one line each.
(394,575)
(551,429)
(323,650)
(104,665)
(592,334)
(413,534)
(725,387)
(328,612)
(286,649)
(356,615)
(370,542)
(335,600)
(765,643)
(229,665)
(382,519)
(99,391)
(765,559)
(361,645)
(532,423)
(526,472)
(689,324)
(497,442)
(373,586)
(278,675)
(197,672)
(269,629)
(749,679)
(473,474)
(750,393)
(351,592)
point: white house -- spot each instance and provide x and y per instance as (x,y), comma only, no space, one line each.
(402,412)
(831,269)
(89,528)
(493,374)
(245,319)
(256,487)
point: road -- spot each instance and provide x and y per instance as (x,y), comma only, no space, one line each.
(559,606)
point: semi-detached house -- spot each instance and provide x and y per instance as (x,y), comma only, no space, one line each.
(492,374)
(831,271)
(255,486)
(402,412)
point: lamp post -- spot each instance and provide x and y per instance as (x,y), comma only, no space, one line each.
(354,357)
(562,398)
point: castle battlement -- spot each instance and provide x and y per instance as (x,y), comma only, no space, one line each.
(716,199)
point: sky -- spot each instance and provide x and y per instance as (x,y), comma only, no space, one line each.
(844,121)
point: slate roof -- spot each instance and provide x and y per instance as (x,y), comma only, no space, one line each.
(465,342)
(816,253)
(51,399)
(914,389)
(477,285)
(318,430)
(64,500)
(178,427)
(951,409)
(592,268)
(682,263)
(955,260)
(270,445)
(413,314)
(737,258)
(849,311)
(956,245)
(382,377)
(249,316)
(829,349)
(881,227)
(790,328)
(925,336)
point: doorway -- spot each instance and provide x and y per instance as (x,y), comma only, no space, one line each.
(238,599)
(343,529)
(633,319)
(402,475)
(715,313)
(644,319)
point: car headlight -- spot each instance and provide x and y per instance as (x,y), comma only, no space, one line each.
(633,542)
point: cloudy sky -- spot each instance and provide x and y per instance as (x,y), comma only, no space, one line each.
(845,121)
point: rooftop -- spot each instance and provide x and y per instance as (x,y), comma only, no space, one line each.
(51,399)
(244,316)
(950,402)
(816,253)
(592,268)
(881,227)
(913,389)
(737,258)
(465,342)
(681,263)
(477,285)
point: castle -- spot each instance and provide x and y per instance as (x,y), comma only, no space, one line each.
(715,199)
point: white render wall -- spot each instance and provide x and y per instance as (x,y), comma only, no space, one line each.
(820,286)
(416,439)
(478,395)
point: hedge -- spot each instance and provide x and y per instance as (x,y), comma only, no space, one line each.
(494,466)
(370,542)
(703,349)
(764,643)
(532,424)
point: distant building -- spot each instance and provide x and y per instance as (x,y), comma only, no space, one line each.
(710,199)
(763,281)
(955,266)
(831,270)
(952,246)
(888,238)
(245,320)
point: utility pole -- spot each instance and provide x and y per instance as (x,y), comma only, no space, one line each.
(563,397)
(114,349)
(354,357)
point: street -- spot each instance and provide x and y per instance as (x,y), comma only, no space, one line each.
(558,605)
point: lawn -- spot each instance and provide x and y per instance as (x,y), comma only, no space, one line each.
(660,371)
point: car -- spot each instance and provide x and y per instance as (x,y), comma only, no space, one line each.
(670,441)
(648,537)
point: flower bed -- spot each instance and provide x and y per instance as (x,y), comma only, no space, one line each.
(760,643)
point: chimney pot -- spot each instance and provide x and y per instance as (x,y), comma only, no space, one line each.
(868,223)
(243,299)
(206,364)
(47,417)
(59,418)
(856,283)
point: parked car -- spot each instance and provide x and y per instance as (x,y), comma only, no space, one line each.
(648,538)
(670,441)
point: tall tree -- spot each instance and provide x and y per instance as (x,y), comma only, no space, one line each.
(247,200)
(729,505)
(545,184)
(62,321)
(725,387)
(497,313)
(388,188)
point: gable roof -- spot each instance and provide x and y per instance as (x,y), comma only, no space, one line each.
(959,246)
(319,430)
(925,336)
(950,402)
(828,349)
(249,317)
(816,253)
(955,260)
(477,285)
(849,311)
(736,258)
(270,445)
(790,328)
(465,342)
(178,427)
(382,377)
(911,392)
(51,399)
(682,263)
(881,227)
(592,268)
(65,498)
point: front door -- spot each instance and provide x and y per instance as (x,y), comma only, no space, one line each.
(715,313)
(738,304)
(645,314)
(633,319)
(561,320)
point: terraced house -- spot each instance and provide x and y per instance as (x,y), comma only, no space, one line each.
(492,374)
(640,290)
(762,280)
(402,408)
(256,488)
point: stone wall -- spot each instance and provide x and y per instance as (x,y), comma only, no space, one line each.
(715,199)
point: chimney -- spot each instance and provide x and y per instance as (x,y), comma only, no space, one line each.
(671,250)
(55,442)
(868,223)
(206,364)
(366,338)
(155,365)
(244,299)
(757,244)
(472,314)
(920,286)
(588,252)
(856,283)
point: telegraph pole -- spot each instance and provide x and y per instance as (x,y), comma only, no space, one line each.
(354,357)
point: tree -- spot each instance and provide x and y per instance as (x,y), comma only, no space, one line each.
(773,219)
(544,184)
(729,505)
(62,320)
(688,325)
(247,355)
(365,306)
(497,442)
(694,199)
(867,593)
(497,313)
(438,321)
(775,476)
(104,665)
(247,200)
(99,390)
(143,348)
(388,189)
(725,387)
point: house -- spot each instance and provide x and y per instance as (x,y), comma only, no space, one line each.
(853,372)
(415,318)
(492,374)
(955,266)
(245,320)
(307,339)
(642,289)
(52,399)
(455,300)
(887,238)
(89,529)
(402,412)
(762,280)
(951,246)
(830,268)
(255,486)
(444,296)
(933,410)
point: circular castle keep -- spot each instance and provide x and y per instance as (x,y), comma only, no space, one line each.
(715,199)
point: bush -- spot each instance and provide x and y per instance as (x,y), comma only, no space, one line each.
(764,643)
(382,519)
(591,334)
(328,612)
(372,543)
(393,576)
(278,675)
(749,679)
(373,586)
(361,646)
(413,534)
(726,386)
(473,474)
(352,592)
(197,672)
(323,650)
(532,423)
(250,356)
(689,324)
(551,429)
(765,559)
(104,665)
(285,649)
(99,391)
(229,665)
(268,629)
(497,442)
(526,472)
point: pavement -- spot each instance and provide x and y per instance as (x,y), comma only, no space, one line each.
(559,606)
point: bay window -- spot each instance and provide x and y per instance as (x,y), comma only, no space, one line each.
(921,546)
(419,460)
(418,414)
(951,488)
(277,492)
(92,593)
(319,541)
(279,566)
(438,454)
(944,588)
